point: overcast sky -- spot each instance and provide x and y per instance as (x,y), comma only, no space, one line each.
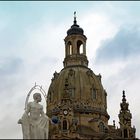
(32,49)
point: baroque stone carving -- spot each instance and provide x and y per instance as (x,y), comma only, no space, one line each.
(89,73)
(55,75)
(71,72)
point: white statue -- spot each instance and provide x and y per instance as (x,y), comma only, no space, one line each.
(34,121)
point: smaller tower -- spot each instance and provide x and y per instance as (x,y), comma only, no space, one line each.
(75,46)
(125,117)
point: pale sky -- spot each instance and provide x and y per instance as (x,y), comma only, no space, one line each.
(32,49)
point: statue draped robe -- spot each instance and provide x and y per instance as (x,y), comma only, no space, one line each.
(34,122)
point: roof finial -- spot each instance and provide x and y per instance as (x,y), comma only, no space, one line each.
(124,100)
(75,22)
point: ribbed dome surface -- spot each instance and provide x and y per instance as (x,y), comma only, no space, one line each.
(81,80)
(75,29)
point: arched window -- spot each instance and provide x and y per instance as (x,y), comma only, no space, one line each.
(80,47)
(64,125)
(94,94)
(125,133)
(71,91)
(101,127)
(70,49)
(69,45)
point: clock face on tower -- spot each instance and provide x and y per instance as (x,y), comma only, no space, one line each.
(65,112)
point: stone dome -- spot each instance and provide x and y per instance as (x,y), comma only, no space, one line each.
(76,92)
(78,84)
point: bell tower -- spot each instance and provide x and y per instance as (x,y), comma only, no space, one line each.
(127,132)
(75,46)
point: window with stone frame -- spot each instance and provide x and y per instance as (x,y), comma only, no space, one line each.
(70,49)
(94,93)
(71,91)
(64,125)
(80,47)
(125,133)
(69,45)
(101,127)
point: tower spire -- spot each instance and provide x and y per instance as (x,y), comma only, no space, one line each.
(124,99)
(125,119)
(75,22)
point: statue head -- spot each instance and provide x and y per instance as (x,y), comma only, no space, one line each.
(37,97)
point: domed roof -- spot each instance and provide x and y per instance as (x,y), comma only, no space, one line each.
(78,82)
(76,85)
(75,29)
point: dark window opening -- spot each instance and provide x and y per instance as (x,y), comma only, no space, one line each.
(101,127)
(94,94)
(125,133)
(64,125)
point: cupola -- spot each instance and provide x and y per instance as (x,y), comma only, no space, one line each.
(75,46)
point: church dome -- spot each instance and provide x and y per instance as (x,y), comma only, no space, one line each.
(76,96)
(80,85)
